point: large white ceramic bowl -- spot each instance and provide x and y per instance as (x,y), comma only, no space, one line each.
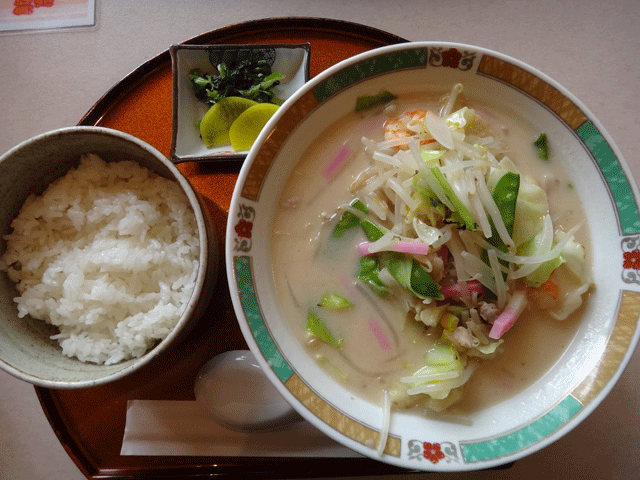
(26,349)
(608,331)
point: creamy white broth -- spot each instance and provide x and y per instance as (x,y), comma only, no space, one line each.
(308,263)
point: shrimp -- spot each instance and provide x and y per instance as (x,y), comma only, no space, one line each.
(398,130)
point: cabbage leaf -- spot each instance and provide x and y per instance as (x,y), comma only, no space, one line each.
(531,208)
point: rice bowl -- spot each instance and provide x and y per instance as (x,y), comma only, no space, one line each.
(108,254)
(112,249)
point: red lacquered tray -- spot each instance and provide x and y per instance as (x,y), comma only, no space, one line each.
(90,422)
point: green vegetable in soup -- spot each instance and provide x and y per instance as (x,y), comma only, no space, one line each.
(335,301)
(317,328)
(505,194)
(370,276)
(372,230)
(410,274)
(369,101)
(542,146)
(460,208)
(349,219)
(442,354)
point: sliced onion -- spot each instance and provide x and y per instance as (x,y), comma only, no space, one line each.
(439,130)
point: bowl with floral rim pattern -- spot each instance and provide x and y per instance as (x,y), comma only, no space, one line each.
(591,351)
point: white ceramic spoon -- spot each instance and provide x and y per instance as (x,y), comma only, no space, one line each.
(233,390)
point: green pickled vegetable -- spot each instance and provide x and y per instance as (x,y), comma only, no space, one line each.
(251,80)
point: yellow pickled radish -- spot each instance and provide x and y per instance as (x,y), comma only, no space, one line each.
(214,127)
(247,126)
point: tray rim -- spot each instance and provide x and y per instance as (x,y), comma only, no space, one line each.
(125,85)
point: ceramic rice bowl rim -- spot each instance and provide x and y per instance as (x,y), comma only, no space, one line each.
(207,266)
(602,346)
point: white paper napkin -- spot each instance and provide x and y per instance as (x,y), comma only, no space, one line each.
(164,427)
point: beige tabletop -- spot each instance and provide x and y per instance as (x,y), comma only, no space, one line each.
(51,79)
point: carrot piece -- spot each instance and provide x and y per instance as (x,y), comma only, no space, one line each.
(551,287)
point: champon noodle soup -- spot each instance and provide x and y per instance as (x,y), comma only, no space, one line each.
(430,253)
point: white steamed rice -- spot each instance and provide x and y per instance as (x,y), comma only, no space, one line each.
(109,255)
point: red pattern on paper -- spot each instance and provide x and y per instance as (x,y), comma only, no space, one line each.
(26,7)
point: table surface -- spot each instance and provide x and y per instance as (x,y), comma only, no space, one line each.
(50,80)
